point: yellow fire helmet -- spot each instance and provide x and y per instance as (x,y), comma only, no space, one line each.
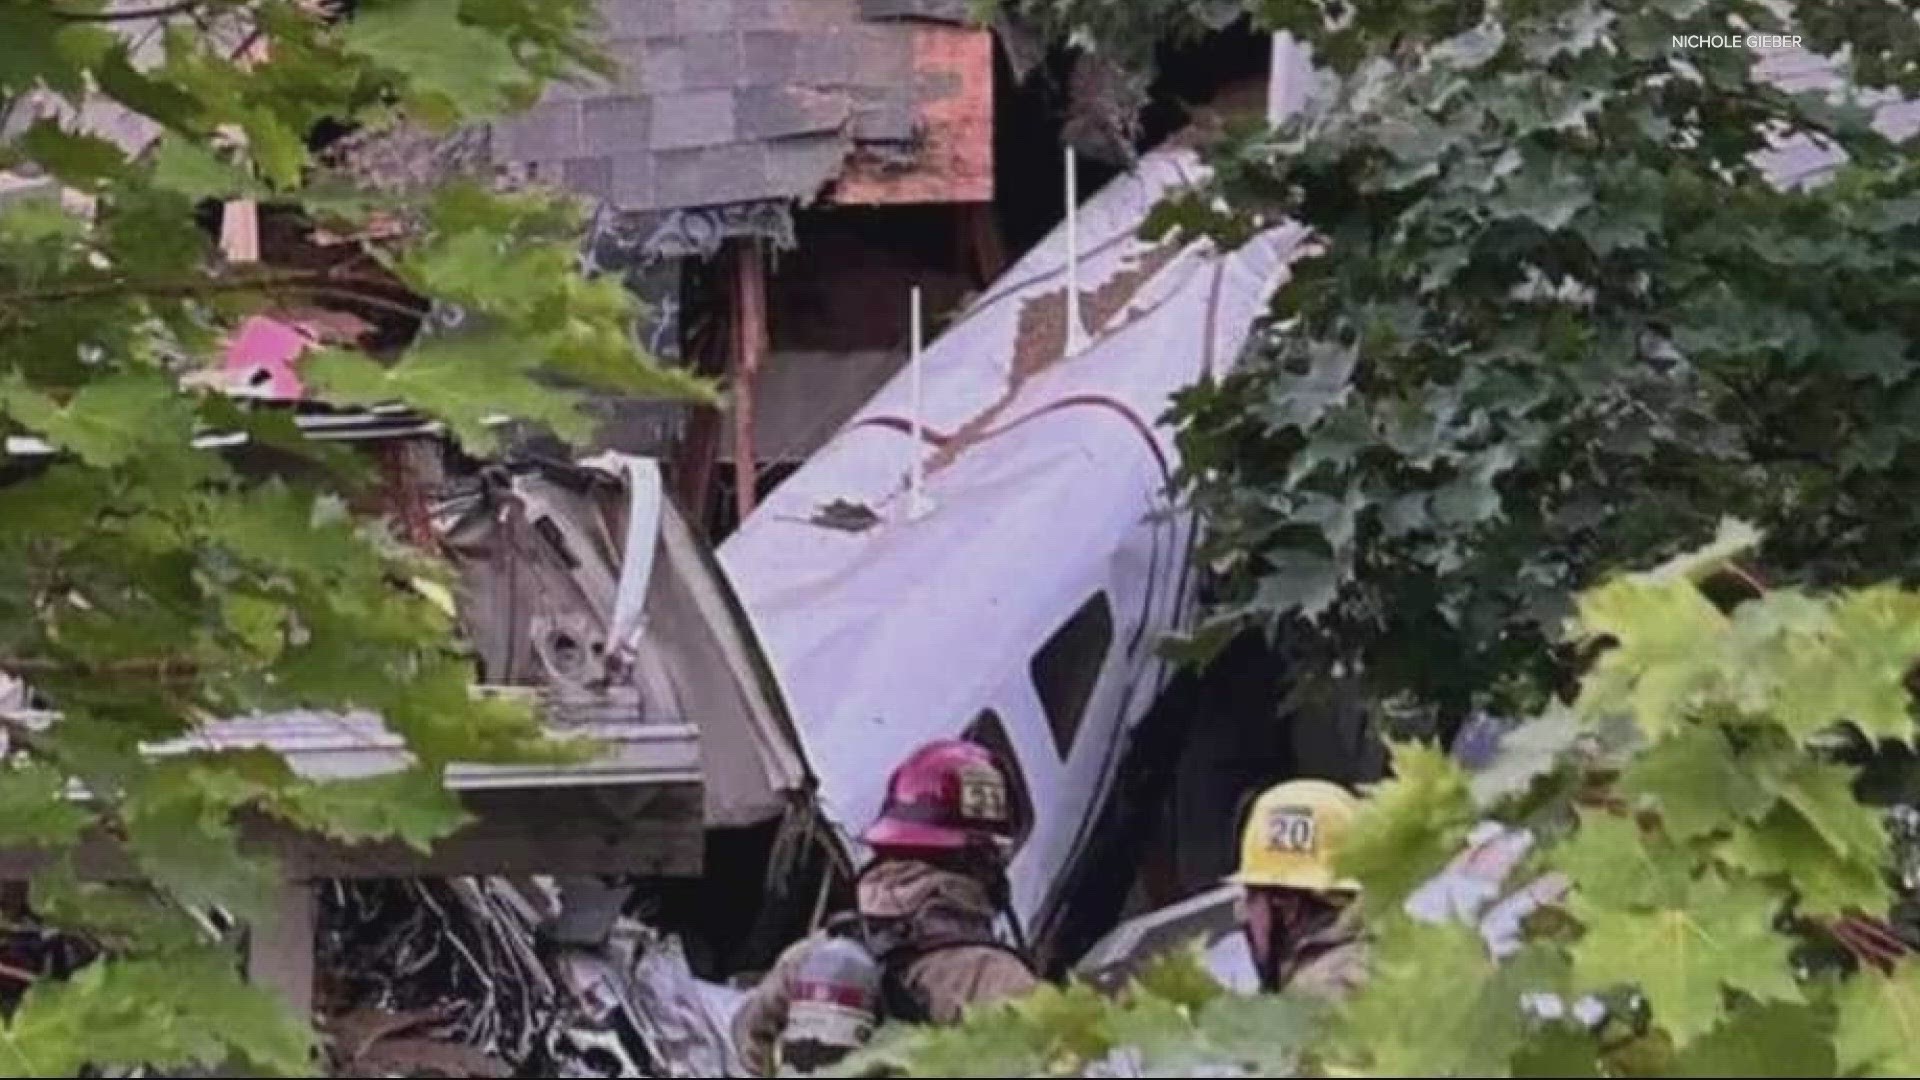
(1292,833)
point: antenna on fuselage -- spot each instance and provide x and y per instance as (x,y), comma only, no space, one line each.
(917,505)
(1075,332)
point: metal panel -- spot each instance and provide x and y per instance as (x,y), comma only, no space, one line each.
(1120,955)
(333,746)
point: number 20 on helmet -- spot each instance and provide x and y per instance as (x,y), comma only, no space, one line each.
(1291,835)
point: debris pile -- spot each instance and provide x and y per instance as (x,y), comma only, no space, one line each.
(489,977)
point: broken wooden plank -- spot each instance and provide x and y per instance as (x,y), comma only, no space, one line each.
(280,949)
(750,345)
(323,745)
(240,231)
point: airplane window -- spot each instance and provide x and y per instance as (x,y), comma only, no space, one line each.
(1068,665)
(988,730)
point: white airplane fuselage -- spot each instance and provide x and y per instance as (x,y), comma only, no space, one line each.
(1050,561)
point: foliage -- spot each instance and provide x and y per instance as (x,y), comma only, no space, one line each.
(1127,31)
(1558,320)
(146,585)
(1173,1020)
(1118,43)
(1700,897)
(1709,839)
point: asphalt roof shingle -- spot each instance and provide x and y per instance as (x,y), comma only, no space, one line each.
(939,10)
(724,101)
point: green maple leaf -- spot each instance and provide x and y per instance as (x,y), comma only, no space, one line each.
(1181,977)
(1334,518)
(181,831)
(39,221)
(1409,828)
(1332,446)
(1027,1036)
(153,235)
(124,917)
(351,657)
(1684,957)
(1264,1032)
(1775,1039)
(1852,666)
(1615,864)
(1070,1022)
(157,98)
(444,723)
(1774,642)
(107,422)
(1158,1035)
(1880,355)
(1558,1050)
(35,809)
(465,268)
(1879,1023)
(1298,579)
(30,50)
(133,1013)
(1785,845)
(1823,794)
(292,531)
(1668,635)
(1526,753)
(464,381)
(1399,1026)
(411,805)
(1471,498)
(277,148)
(190,169)
(1547,195)
(1697,782)
(258,624)
(79,159)
(469,70)
(1299,401)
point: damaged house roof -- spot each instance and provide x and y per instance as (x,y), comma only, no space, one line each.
(738,101)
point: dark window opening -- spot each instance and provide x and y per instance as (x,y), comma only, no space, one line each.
(1067,668)
(844,288)
(1225,68)
(988,730)
(1229,68)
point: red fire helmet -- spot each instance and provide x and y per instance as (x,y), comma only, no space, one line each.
(946,796)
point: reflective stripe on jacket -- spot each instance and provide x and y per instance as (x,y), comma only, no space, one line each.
(947,978)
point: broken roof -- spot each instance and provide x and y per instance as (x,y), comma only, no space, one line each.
(732,101)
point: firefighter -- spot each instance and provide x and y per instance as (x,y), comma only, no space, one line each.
(1301,926)
(921,944)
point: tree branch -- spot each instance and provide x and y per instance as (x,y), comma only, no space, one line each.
(393,307)
(162,11)
(327,283)
(165,668)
